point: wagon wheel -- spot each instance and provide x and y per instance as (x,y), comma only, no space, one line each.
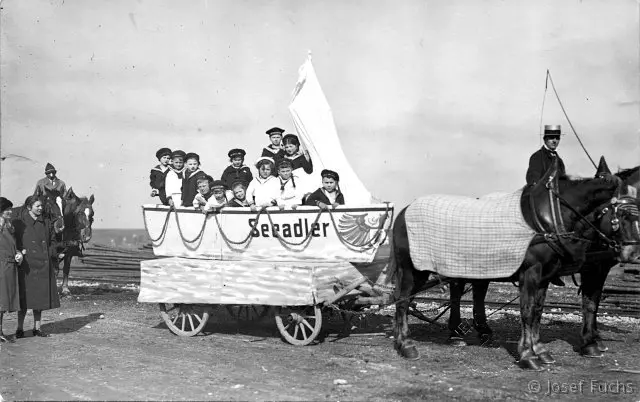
(184,319)
(299,326)
(247,312)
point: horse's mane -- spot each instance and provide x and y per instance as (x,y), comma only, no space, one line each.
(624,174)
(567,182)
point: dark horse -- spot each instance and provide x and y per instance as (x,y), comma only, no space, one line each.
(565,234)
(76,214)
(621,215)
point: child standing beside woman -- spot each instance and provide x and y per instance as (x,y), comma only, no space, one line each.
(10,258)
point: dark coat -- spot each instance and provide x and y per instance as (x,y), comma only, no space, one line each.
(231,175)
(319,196)
(36,275)
(156,181)
(190,186)
(235,203)
(540,162)
(299,161)
(9,295)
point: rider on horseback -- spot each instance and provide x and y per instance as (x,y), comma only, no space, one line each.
(542,159)
(51,182)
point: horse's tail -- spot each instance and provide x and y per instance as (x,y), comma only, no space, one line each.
(394,272)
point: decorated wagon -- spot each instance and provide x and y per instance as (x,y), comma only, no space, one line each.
(295,260)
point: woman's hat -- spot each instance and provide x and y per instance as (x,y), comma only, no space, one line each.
(551,130)
(49,168)
(236,152)
(218,184)
(291,138)
(192,155)
(178,154)
(274,130)
(330,174)
(264,159)
(5,204)
(162,152)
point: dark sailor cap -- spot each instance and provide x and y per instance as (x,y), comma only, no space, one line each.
(218,184)
(178,153)
(284,163)
(330,174)
(162,152)
(274,130)
(192,155)
(234,153)
(551,130)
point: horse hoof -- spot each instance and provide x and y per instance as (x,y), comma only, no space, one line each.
(66,292)
(456,341)
(591,351)
(410,352)
(530,363)
(546,358)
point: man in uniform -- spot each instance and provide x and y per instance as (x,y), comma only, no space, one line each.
(51,182)
(542,159)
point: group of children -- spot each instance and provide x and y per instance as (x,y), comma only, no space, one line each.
(178,180)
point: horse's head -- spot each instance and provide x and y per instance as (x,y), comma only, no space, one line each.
(618,220)
(78,215)
(53,203)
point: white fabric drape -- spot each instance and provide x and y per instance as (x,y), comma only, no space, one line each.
(316,130)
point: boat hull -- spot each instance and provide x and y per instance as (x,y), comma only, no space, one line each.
(344,234)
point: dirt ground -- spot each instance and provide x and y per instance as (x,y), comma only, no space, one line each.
(130,354)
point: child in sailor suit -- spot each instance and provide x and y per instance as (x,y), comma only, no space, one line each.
(290,194)
(173,179)
(264,189)
(158,175)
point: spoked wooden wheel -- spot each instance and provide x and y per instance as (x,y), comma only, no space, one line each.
(184,319)
(300,325)
(249,312)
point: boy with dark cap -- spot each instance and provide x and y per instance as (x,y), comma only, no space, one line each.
(290,194)
(159,173)
(329,194)
(173,178)
(51,182)
(219,199)
(191,175)
(237,170)
(274,150)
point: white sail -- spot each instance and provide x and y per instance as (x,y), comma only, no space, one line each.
(316,130)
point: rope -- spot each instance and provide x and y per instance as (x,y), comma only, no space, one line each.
(568,120)
(370,243)
(247,240)
(287,244)
(164,226)
(198,236)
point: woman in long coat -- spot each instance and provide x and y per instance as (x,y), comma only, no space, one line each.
(9,260)
(38,290)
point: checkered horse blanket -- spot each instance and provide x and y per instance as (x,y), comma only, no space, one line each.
(464,237)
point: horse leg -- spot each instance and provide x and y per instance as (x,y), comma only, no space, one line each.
(538,347)
(480,324)
(456,330)
(65,273)
(404,346)
(592,283)
(529,280)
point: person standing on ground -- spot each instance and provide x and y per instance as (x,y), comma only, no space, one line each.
(9,260)
(37,282)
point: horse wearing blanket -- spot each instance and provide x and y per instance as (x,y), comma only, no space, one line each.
(491,239)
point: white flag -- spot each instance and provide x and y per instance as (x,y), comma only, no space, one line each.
(316,129)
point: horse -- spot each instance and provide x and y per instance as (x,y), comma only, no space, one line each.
(541,261)
(601,257)
(78,218)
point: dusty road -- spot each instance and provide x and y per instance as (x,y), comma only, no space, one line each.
(130,354)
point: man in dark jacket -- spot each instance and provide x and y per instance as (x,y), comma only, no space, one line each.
(542,159)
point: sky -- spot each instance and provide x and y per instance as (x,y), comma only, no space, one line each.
(427,96)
